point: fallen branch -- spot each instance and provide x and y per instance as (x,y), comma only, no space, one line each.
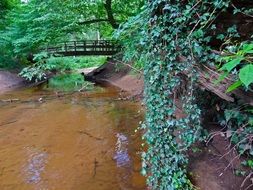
(95,168)
(89,135)
(10,100)
(246,178)
(207,78)
(81,89)
(3,124)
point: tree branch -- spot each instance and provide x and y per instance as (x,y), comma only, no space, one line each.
(111,19)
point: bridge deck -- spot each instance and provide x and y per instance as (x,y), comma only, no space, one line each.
(85,48)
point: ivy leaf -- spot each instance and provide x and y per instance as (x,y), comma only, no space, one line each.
(199,33)
(246,75)
(249,52)
(234,86)
(220,37)
(247,48)
(232,64)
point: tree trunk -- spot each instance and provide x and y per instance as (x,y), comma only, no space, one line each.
(111,19)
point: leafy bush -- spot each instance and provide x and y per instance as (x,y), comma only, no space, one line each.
(45,64)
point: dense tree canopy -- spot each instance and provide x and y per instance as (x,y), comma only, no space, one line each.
(31,25)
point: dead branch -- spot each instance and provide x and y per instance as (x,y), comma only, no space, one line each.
(89,135)
(246,178)
(95,168)
(10,100)
(207,78)
(8,123)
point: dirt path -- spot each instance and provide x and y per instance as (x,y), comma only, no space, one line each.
(10,81)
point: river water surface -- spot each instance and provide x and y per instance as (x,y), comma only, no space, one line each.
(50,140)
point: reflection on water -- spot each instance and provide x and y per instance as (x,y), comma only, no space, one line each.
(121,155)
(68,82)
(35,166)
(80,141)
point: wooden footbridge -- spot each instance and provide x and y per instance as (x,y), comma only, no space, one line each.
(85,48)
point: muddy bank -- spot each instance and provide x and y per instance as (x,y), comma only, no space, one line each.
(10,81)
(118,75)
(111,73)
(210,168)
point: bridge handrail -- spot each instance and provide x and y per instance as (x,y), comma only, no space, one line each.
(87,41)
(85,47)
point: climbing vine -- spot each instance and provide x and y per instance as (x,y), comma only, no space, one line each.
(174,40)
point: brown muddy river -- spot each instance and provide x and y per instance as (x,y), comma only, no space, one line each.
(79,141)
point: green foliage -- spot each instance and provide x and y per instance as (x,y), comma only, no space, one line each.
(239,62)
(85,62)
(30,27)
(171,38)
(6,5)
(248,163)
(5,61)
(44,65)
(246,75)
(39,70)
(239,122)
(131,35)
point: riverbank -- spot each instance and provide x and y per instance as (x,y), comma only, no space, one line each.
(10,81)
(112,73)
(121,76)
